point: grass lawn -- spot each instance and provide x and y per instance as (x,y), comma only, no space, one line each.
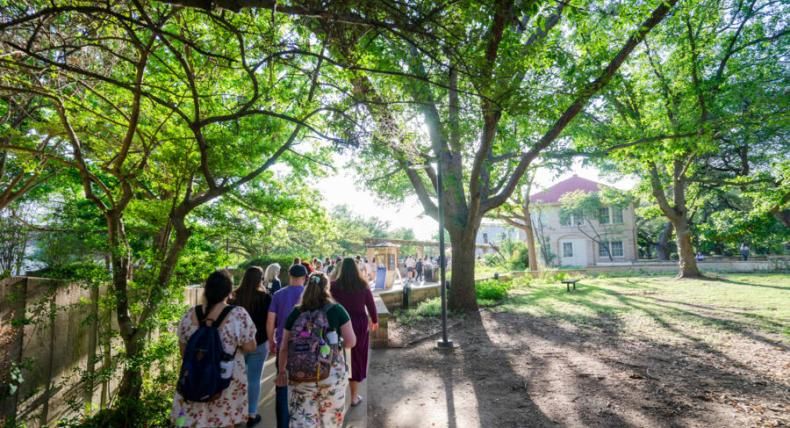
(648,351)
(665,307)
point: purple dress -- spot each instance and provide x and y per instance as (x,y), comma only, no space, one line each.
(355,303)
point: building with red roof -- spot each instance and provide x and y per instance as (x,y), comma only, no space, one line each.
(572,239)
(574,184)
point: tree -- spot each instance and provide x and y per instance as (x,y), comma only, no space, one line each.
(164,110)
(26,160)
(420,54)
(697,91)
(516,212)
(471,91)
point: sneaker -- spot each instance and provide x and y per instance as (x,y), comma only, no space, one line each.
(251,422)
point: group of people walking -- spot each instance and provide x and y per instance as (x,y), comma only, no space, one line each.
(417,267)
(309,325)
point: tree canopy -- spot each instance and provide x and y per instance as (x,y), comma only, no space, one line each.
(162,139)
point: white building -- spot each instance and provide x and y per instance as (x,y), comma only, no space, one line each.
(494,233)
(609,238)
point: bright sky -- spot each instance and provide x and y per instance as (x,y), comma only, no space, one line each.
(346,189)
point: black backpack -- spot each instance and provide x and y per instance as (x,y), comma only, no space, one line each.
(206,369)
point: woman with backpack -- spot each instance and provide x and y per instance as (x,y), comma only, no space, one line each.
(212,390)
(312,361)
(353,292)
(252,296)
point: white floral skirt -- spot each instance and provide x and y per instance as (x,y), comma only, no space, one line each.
(319,404)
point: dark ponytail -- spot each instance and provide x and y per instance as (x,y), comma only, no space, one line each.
(218,287)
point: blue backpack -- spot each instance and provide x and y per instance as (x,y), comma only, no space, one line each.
(206,369)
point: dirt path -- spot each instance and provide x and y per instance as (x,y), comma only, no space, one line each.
(515,370)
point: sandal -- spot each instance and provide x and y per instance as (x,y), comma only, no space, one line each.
(356,401)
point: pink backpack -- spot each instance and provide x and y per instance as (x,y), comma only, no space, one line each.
(309,352)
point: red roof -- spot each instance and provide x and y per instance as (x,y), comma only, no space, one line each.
(555,192)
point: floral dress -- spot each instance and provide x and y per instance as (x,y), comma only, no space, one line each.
(231,407)
(321,404)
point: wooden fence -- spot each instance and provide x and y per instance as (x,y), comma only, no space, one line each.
(55,337)
(50,351)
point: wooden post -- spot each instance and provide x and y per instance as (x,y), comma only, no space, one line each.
(53,308)
(13,304)
(93,336)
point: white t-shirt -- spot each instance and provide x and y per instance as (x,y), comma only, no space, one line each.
(410,262)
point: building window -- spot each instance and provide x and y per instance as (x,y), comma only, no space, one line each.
(567,249)
(565,218)
(617,215)
(617,248)
(571,219)
(485,238)
(603,215)
(602,247)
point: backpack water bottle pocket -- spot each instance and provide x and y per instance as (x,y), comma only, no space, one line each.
(226,369)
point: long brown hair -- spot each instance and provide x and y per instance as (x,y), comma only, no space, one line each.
(316,293)
(247,295)
(349,278)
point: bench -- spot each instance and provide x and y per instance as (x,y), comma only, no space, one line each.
(569,282)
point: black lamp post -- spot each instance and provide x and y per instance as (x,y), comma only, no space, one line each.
(444,343)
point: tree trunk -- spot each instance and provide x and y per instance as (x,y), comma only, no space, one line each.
(131,386)
(131,381)
(686,256)
(662,247)
(462,286)
(531,248)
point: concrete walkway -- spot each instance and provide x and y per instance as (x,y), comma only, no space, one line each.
(356,417)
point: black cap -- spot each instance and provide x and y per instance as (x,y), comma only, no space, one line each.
(297,271)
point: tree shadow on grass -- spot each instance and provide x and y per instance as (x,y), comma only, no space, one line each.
(683,379)
(751,284)
(727,324)
(503,397)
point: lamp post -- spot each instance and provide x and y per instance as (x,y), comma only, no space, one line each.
(444,343)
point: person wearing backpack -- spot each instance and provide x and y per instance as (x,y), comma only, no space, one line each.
(283,303)
(212,383)
(312,359)
(252,296)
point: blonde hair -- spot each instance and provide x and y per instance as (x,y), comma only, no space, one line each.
(272,271)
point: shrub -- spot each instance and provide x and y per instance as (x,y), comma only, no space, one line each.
(429,308)
(492,260)
(492,289)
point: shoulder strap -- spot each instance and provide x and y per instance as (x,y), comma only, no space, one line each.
(327,307)
(201,317)
(222,316)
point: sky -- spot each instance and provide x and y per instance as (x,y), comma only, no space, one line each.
(344,188)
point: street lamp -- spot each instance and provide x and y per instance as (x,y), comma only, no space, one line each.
(444,343)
